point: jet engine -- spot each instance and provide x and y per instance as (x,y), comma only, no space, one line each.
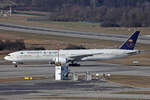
(61,60)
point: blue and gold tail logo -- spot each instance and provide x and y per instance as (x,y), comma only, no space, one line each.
(131,41)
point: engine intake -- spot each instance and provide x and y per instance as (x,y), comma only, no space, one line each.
(60,61)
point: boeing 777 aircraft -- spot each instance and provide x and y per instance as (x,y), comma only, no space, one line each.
(72,56)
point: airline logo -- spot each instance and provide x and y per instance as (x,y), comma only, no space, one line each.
(130,40)
(130,43)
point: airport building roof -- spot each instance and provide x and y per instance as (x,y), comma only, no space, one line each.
(6,3)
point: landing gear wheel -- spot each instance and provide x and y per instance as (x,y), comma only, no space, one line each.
(74,64)
(15,66)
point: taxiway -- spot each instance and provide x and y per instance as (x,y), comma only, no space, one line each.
(48,88)
(90,35)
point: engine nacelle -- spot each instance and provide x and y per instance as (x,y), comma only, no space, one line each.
(61,60)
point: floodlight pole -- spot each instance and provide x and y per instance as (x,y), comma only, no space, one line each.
(10,11)
(58,52)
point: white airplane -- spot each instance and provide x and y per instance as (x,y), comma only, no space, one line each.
(72,56)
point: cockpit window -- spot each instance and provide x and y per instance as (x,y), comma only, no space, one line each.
(8,55)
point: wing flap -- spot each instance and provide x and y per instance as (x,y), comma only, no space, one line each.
(79,57)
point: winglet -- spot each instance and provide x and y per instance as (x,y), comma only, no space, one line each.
(130,43)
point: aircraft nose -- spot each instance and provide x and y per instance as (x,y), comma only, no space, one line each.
(6,58)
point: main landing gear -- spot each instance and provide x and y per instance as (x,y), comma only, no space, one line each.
(74,64)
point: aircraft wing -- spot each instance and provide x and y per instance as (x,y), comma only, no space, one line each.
(132,53)
(79,57)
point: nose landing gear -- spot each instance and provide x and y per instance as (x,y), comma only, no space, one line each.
(15,65)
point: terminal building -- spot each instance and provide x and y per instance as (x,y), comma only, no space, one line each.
(6,7)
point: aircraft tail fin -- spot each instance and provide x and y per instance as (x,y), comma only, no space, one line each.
(131,41)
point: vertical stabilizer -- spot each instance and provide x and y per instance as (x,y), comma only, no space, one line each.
(130,43)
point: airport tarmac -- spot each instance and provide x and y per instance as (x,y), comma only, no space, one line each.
(44,89)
